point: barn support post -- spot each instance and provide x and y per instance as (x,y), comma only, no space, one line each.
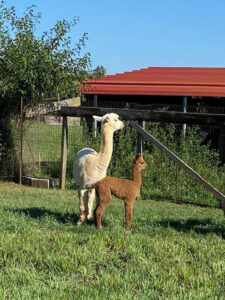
(180,162)
(222,143)
(95,122)
(184,127)
(64,147)
(140,141)
(21,141)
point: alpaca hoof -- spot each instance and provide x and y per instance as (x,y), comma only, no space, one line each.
(79,223)
(90,217)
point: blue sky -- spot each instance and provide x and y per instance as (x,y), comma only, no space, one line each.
(126,35)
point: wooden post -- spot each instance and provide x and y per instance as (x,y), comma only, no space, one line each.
(182,164)
(64,147)
(95,122)
(222,143)
(184,110)
(21,141)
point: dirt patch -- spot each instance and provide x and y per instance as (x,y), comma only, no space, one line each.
(11,185)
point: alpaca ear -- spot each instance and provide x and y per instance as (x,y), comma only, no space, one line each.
(97,118)
(138,156)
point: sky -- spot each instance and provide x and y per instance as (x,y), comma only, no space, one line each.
(124,35)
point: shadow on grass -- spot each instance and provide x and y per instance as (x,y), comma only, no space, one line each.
(171,199)
(203,227)
(39,213)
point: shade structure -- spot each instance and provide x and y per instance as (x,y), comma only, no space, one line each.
(165,81)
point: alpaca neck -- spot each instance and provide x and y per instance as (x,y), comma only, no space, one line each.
(136,176)
(106,148)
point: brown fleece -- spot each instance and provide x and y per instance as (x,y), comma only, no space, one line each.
(125,189)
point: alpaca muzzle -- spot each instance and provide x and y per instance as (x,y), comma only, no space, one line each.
(122,125)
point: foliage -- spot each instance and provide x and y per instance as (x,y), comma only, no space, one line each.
(163,178)
(170,252)
(32,66)
(35,67)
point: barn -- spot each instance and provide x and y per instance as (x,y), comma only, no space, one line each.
(181,89)
(171,87)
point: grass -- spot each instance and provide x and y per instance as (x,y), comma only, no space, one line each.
(171,251)
(42,142)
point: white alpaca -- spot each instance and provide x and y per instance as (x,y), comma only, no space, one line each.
(90,166)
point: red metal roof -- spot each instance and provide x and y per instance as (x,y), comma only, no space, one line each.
(171,81)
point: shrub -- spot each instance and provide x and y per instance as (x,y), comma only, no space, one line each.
(163,179)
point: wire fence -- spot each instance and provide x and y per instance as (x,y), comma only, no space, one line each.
(41,139)
(156,106)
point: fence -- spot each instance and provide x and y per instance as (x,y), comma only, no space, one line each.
(42,141)
(154,116)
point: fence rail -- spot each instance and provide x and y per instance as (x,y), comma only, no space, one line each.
(143,115)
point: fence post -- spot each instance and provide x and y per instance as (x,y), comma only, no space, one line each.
(21,141)
(64,147)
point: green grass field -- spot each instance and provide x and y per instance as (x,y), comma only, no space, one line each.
(171,251)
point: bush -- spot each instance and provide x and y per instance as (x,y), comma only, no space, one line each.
(163,179)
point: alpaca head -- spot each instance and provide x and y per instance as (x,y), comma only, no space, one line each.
(139,163)
(110,121)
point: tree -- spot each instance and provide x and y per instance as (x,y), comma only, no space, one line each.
(35,67)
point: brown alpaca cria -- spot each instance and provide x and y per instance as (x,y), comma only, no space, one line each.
(125,189)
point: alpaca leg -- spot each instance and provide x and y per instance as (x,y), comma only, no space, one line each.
(98,214)
(91,198)
(83,198)
(128,212)
(104,197)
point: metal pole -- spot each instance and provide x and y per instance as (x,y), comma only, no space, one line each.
(21,140)
(140,141)
(95,122)
(184,110)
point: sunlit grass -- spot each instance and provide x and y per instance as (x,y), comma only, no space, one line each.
(171,251)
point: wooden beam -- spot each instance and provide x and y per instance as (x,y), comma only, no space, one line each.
(64,147)
(144,115)
(181,163)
